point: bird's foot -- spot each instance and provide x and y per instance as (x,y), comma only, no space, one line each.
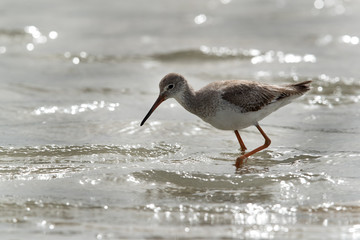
(240,161)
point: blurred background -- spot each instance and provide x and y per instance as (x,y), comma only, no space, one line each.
(77,77)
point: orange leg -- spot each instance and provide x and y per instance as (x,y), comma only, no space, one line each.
(242,145)
(240,160)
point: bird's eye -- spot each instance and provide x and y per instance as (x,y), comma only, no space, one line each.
(171,86)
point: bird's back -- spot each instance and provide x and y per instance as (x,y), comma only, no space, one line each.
(249,96)
(240,98)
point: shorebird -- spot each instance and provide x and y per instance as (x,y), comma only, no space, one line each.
(230,104)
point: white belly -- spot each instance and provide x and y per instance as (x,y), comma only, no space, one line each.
(232,120)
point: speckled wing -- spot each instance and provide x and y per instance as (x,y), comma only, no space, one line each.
(251,96)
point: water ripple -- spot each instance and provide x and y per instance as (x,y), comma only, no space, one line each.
(203,53)
(250,214)
(331,91)
(30,36)
(326,90)
(222,53)
(155,150)
(39,172)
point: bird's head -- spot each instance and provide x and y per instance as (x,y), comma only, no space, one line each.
(171,86)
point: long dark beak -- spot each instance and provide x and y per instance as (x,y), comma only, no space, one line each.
(158,101)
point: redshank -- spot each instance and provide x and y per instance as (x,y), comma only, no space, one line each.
(231,104)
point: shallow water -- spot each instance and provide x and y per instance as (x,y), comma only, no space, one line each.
(78,77)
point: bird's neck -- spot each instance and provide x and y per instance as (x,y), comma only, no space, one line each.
(187,99)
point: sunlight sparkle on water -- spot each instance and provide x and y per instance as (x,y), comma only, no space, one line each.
(30,47)
(336,7)
(2,49)
(232,52)
(225,1)
(53,35)
(34,31)
(319,4)
(75,109)
(38,37)
(200,19)
(281,57)
(83,54)
(76,60)
(354,40)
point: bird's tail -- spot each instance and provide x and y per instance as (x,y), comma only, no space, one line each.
(301,87)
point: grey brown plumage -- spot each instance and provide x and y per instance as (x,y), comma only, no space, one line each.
(231,104)
(252,96)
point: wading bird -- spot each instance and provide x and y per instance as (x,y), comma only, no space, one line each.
(231,104)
